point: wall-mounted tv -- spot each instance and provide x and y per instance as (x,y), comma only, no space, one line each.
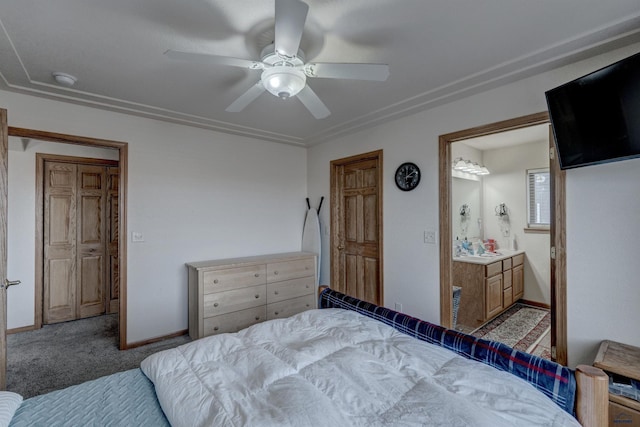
(596,118)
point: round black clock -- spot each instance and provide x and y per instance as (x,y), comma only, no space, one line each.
(407,176)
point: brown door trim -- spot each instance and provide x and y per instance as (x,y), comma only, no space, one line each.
(4,161)
(123,150)
(558,278)
(336,215)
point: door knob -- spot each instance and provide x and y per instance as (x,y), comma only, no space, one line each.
(340,247)
(8,283)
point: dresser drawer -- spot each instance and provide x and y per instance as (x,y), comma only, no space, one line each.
(233,322)
(234,300)
(280,291)
(506,264)
(234,278)
(287,270)
(493,269)
(279,310)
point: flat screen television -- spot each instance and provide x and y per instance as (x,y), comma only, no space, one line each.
(596,118)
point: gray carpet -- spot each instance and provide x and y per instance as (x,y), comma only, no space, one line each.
(69,353)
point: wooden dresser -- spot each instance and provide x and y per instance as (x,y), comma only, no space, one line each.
(231,294)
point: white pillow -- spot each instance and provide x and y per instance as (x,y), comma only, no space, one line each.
(9,403)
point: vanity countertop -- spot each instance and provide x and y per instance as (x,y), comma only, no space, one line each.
(475,259)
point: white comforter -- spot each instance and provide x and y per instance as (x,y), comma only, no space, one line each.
(337,368)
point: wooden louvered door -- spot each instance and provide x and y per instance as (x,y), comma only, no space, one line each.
(78,240)
(356,261)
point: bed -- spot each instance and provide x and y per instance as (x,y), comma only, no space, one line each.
(349,363)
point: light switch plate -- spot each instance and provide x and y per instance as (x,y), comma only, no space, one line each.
(430,237)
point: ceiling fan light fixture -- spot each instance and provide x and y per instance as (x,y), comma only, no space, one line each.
(283,81)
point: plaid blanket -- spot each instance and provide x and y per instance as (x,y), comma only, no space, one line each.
(556,381)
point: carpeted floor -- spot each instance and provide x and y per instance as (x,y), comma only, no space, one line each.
(521,327)
(69,353)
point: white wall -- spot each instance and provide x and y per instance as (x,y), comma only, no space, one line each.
(194,194)
(411,269)
(507,184)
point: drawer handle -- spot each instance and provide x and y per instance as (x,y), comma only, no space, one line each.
(215,328)
(257,296)
(257,317)
(215,304)
(275,272)
(307,305)
(257,275)
(307,286)
(276,292)
(277,313)
(215,281)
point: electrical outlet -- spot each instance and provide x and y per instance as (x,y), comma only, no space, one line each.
(137,236)
(430,237)
(398,306)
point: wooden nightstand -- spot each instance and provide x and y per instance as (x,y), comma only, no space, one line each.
(624,361)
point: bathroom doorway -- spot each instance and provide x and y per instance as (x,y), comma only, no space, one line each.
(556,272)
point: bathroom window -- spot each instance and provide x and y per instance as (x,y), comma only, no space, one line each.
(538,199)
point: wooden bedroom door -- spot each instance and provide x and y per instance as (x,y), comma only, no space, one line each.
(356,224)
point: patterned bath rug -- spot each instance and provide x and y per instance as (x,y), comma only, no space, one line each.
(519,327)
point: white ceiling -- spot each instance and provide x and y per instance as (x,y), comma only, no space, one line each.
(438,51)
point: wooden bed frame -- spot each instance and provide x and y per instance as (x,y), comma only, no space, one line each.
(592,394)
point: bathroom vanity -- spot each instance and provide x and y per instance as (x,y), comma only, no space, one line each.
(490,285)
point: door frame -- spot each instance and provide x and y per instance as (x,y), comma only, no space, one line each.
(337,215)
(41,158)
(123,156)
(4,196)
(558,282)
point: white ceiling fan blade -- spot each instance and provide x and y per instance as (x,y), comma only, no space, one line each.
(313,103)
(214,59)
(376,72)
(290,18)
(246,98)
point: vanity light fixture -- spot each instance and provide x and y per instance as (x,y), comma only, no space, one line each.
(467,166)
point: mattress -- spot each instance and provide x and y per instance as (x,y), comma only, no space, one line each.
(124,399)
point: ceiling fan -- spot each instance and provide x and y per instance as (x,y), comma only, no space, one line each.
(284,72)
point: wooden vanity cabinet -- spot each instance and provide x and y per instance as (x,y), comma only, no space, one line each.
(488,289)
(231,294)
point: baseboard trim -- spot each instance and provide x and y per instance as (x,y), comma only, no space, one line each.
(129,346)
(21,329)
(535,304)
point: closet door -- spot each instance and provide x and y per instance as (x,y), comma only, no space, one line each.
(75,241)
(59,242)
(113,269)
(91,240)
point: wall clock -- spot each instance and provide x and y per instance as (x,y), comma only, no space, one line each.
(407,176)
